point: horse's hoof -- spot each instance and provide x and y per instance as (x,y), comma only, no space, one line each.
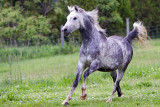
(119,95)
(65,103)
(108,101)
(83,97)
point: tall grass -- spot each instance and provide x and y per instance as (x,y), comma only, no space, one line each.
(35,51)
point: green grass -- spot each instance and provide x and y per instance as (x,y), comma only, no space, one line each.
(46,81)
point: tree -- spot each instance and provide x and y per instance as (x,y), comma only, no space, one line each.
(34,29)
(15,27)
(43,7)
(9,19)
(36,20)
(126,11)
(85,4)
(147,10)
(109,17)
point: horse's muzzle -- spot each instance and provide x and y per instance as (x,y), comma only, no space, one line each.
(65,31)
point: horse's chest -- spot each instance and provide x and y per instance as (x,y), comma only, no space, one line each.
(90,58)
(90,54)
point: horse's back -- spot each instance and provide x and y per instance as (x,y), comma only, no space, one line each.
(116,37)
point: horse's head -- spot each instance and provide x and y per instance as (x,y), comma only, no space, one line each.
(78,18)
(74,20)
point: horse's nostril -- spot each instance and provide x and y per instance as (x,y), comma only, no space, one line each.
(65,30)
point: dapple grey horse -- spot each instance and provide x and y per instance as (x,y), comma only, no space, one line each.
(99,52)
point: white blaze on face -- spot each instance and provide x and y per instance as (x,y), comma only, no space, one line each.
(74,21)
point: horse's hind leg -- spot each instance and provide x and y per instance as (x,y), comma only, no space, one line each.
(94,66)
(114,76)
(118,79)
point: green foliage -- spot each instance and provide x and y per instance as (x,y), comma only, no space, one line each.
(126,11)
(30,25)
(36,22)
(34,28)
(85,4)
(42,7)
(14,26)
(9,19)
(147,10)
(109,16)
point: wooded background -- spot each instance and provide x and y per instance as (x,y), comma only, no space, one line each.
(37,22)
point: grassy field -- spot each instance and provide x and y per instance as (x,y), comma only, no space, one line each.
(47,81)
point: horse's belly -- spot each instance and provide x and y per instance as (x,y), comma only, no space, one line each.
(105,69)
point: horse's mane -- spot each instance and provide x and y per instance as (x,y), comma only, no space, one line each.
(93,17)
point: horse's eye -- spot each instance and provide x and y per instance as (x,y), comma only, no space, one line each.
(74,18)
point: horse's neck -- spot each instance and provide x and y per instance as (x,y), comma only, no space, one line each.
(89,33)
(87,36)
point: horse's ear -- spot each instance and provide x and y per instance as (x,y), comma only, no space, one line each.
(95,10)
(70,8)
(76,8)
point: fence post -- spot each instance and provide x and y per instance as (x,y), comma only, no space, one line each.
(62,37)
(127,26)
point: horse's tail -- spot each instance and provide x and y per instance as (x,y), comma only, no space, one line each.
(139,32)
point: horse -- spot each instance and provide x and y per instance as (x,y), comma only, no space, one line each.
(98,52)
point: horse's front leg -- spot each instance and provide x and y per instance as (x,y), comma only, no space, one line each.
(80,69)
(93,67)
